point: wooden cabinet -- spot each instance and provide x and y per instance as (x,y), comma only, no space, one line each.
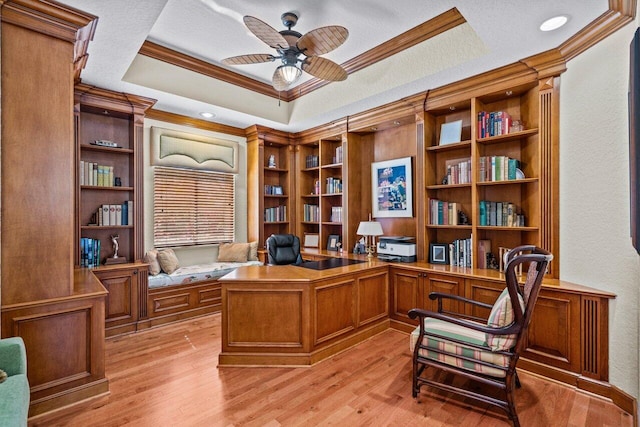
(121,308)
(109,199)
(405,293)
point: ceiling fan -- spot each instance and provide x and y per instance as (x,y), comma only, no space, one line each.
(294,48)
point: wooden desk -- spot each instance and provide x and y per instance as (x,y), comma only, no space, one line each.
(291,315)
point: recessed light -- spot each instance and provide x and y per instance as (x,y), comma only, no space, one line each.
(554,23)
(207,115)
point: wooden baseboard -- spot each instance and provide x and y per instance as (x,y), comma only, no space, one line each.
(176,317)
(69,398)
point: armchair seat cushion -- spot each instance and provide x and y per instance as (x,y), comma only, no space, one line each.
(449,330)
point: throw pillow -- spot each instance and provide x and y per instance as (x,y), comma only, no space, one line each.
(151,257)
(3,376)
(253,252)
(502,315)
(168,260)
(233,252)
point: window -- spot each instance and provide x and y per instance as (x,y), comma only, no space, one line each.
(192,207)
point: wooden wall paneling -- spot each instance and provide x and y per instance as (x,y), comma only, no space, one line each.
(404,295)
(251,312)
(594,340)
(358,155)
(553,338)
(550,170)
(444,284)
(255,203)
(335,309)
(37,214)
(394,143)
(420,199)
(373,298)
(64,339)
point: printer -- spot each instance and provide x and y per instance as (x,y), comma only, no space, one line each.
(396,248)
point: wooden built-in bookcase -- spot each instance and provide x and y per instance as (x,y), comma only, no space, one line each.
(116,117)
(269,213)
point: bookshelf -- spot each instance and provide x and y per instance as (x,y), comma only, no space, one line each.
(269,188)
(331,189)
(109,197)
(503,207)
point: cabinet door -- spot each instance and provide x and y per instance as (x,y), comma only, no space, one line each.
(444,284)
(121,309)
(404,295)
(482,291)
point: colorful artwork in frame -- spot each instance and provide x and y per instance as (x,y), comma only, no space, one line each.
(392,190)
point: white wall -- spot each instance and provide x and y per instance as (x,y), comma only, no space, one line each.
(205,253)
(595,241)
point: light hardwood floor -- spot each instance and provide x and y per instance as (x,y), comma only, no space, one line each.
(169,377)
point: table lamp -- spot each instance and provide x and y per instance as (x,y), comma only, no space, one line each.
(370,229)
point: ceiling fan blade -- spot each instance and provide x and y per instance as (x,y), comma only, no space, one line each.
(254,58)
(324,69)
(279,83)
(322,40)
(265,32)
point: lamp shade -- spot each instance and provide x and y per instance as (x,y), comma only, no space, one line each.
(370,228)
(289,73)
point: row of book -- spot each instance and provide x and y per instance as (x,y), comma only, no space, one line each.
(275,214)
(312,161)
(493,123)
(336,214)
(500,214)
(497,168)
(311,213)
(89,252)
(458,173)
(273,190)
(109,215)
(338,157)
(92,173)
(460,253)
(334,185)
(443,213)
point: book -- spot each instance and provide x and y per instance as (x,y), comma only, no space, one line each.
(125,213)
(118,214)
(105,215)
(513,165)
(112,214)
(483,212)
(90,174)
(130,212)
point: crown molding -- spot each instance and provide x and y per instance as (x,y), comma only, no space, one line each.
(431,28)
(56,20)
(179,119)
(103,99)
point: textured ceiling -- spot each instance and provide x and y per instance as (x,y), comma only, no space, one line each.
(496,33)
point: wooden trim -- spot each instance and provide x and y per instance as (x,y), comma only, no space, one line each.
(626,402)
(179,119)
(104,99)
(620,13)
(161,53)
(56,20)
(431,28)
(428,29)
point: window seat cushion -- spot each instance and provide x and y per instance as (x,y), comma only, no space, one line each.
(196,273)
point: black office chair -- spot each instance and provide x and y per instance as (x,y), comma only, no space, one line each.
(283,249)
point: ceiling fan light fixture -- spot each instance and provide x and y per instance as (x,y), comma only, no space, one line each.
(289,73)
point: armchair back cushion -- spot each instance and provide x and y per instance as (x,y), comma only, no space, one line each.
(502,315)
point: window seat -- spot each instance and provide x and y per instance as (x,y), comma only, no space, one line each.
(196,273)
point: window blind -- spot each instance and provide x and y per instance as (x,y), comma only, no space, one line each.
(192,207)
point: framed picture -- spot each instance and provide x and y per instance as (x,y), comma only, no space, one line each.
(439,253)
(311,240)
(332,242)
(392,193)
(277,190)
